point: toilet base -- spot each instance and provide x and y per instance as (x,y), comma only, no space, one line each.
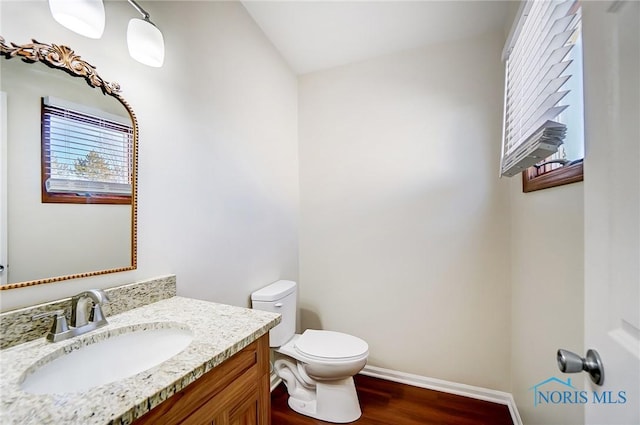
(336,402)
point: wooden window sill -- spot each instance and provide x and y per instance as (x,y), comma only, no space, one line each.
(561,176)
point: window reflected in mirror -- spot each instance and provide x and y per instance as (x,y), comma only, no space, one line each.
(86,154)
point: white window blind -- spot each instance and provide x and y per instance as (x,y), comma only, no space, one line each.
(85,152)
(536,60)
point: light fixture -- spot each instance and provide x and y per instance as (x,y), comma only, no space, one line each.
(144,39)
(85,17)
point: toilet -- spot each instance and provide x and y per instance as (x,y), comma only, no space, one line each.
(317,366)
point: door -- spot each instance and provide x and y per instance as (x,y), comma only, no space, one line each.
(3,188)
(611,32)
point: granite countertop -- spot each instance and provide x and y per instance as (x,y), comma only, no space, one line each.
(219,331)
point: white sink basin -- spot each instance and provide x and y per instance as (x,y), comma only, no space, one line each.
(107,360)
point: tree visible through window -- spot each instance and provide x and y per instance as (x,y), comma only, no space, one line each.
(86,158)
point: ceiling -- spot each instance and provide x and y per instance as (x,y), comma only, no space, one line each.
(315,35)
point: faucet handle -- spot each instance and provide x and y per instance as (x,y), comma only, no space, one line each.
(58,326)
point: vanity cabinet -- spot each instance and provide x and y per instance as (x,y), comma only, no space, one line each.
(234,393)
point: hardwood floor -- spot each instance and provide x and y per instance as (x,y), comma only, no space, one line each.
(389,403)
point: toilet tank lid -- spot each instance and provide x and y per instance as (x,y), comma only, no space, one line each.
(275,291)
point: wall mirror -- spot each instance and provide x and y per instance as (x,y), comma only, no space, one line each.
(44,241)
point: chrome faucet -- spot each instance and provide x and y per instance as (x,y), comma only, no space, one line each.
(80,304)
(82,320)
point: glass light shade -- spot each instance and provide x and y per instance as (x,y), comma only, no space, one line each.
(85,17)
(145,42)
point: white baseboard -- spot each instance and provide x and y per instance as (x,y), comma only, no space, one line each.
(464,390)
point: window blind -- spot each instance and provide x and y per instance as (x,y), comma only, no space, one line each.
(536,61)
(85,153)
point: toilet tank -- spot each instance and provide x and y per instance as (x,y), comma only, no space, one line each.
(279,297)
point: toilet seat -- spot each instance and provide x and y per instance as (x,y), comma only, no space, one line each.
(330,346)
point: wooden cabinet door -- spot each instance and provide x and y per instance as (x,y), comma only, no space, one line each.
(234,393)
(236,405)
(245,412)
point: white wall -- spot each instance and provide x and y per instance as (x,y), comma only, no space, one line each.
(218,186)
(404,229)
(546,255)
(547,293)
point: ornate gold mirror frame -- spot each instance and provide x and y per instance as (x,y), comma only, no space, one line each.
(63,58)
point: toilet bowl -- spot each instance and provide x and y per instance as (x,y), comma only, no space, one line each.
(317,366)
